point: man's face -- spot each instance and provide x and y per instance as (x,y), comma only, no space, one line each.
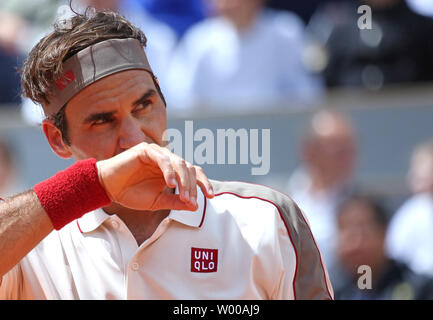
(332,151)
(336,153)
(421,172)
(111,116)
(235,7)
(360,237)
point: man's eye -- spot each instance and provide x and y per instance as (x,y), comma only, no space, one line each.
(142,106)
(100,122)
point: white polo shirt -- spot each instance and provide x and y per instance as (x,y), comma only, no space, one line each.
(249,242)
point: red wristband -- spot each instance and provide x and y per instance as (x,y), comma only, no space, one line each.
(71,193)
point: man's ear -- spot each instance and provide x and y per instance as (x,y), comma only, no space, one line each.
(55,139)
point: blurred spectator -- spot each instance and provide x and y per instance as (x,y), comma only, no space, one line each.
(13,28)
(9,182)
(323,181)
(304,9)
(410,237)
(22,22)
(395,50)
(246,57)
(17,22)
(180,15)
(9,79)
(362,224)
(161,41)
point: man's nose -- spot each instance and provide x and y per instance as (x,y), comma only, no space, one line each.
(131,133)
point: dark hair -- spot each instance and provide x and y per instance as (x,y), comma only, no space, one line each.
(380,213)
(59,120)
(44,63)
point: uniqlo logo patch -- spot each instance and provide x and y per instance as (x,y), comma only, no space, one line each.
(204,260)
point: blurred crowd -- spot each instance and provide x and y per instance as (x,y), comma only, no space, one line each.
(243,55)
(255,55)
(353,227)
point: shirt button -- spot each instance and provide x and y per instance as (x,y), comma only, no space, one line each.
(135,266)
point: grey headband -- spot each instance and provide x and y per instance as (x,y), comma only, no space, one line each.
(93,63)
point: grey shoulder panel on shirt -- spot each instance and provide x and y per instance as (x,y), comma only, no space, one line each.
(310,278)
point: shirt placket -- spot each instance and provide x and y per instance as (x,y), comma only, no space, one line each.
(135,263)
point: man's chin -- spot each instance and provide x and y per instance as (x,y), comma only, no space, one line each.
(115,208)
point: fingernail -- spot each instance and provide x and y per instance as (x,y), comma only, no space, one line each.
(186,195)
(192,199)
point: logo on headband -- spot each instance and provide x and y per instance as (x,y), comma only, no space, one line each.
(67,78)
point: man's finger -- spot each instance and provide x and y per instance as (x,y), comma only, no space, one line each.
(182,177)
(192,183)
(168,171)
(163,161)
(173,202)
(204,182)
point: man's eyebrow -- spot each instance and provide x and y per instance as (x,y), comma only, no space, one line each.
(99,116)
(148,94)
(109,114)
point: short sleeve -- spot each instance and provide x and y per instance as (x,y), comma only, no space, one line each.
(310,280)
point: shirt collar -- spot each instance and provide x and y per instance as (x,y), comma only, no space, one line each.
(92,220)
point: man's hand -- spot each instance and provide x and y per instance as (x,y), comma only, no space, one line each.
(143,177)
